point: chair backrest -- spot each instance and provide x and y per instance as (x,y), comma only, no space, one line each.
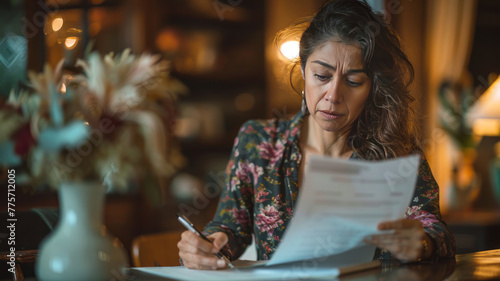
(159,249)
(31,228)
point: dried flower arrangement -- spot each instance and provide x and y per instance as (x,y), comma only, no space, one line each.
(112,122)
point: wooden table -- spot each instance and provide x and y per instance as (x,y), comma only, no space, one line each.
(483,265)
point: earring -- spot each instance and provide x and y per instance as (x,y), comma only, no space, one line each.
(304,109)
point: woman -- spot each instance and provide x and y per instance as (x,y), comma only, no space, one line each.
(356,106)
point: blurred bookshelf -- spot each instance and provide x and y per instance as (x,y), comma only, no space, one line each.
(216,49)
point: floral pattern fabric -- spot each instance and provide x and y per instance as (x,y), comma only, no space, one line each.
(262,187)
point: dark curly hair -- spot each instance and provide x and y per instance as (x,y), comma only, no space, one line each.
(385,128)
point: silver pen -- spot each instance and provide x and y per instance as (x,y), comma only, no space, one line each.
(189,225)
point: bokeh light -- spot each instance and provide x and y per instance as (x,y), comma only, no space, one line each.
(290,49)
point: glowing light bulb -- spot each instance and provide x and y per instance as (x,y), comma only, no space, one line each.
(290,49)
(57,23)
(70,42)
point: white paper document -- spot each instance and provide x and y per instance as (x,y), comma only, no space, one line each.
(340,203)
(303,270)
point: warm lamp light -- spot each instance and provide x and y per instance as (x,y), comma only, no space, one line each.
(485,114)
(70,42)
(290,49)
(63,88)
(486,127)
(485,118)
(57,23)
(70,38)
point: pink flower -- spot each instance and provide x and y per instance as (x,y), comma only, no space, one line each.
(431,194)
(271,130)
(425,217)
(243,172)
(234,182)
(412,210)
(240,215)
(257,172)
(249,129)
(268,219)
(260,195)
(270,152)
(245,169)
(277,199)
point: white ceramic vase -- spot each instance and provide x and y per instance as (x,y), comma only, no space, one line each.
(80,248)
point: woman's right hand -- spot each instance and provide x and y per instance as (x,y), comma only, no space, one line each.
(197,253)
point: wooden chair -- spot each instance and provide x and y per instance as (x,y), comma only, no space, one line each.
(159,249)
(31,227)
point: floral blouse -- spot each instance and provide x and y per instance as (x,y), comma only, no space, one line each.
(262,187)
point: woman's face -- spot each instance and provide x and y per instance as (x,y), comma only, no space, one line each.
(336,86)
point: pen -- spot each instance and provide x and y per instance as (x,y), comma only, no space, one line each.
(189,225)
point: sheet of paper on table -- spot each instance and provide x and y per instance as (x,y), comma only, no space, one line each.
(340,203)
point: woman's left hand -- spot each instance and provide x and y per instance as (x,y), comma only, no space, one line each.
(406,243)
